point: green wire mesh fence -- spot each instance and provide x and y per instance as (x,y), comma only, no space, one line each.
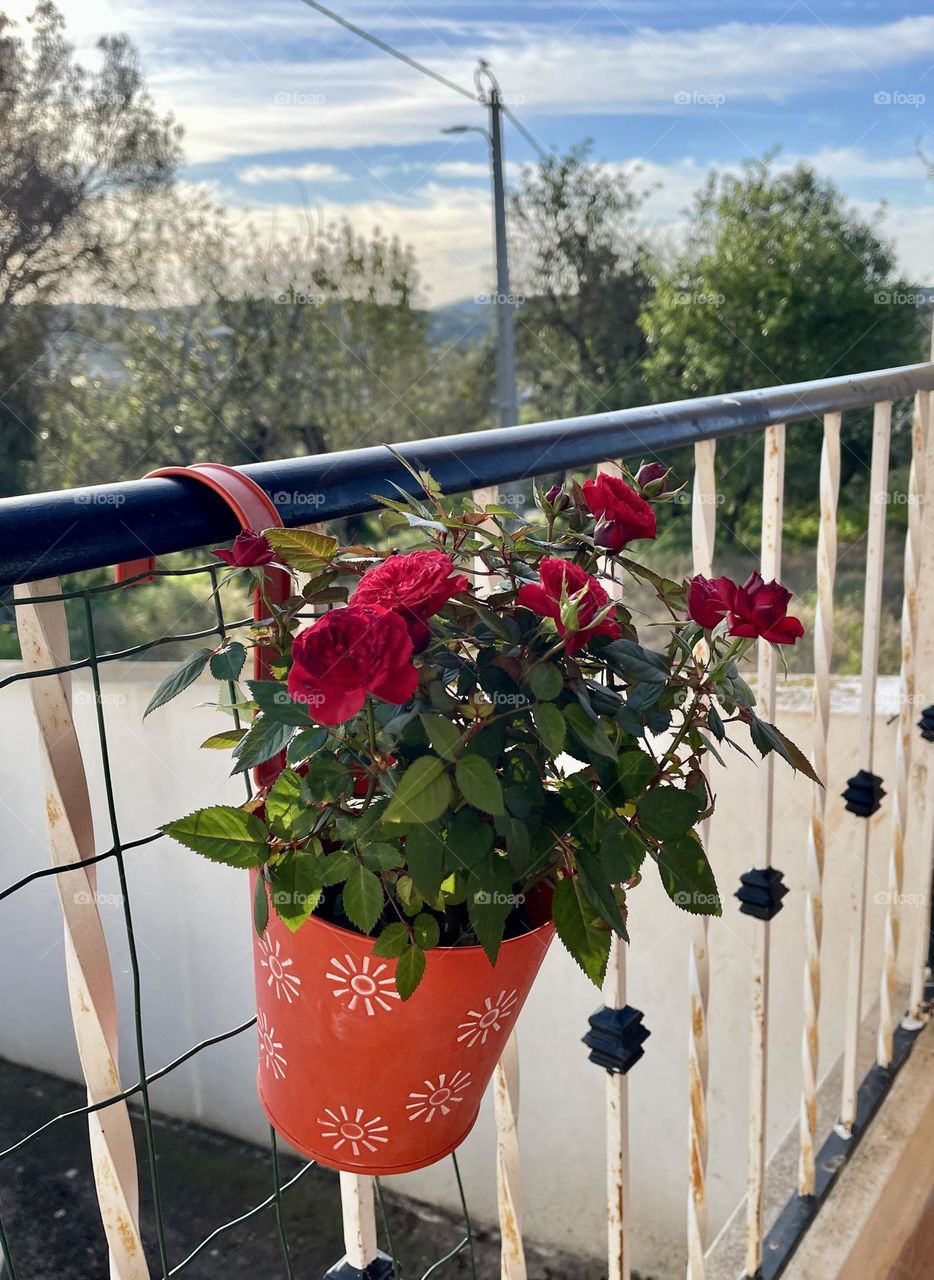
(80,605)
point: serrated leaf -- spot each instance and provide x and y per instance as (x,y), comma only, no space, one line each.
(590,733)
(306,743)
(422,793)
(546,681)
(392,941)
(225,740)
(222,833)
(587,942)
(228,662)
(264,739)
(550,726)
(687,877)
(284,802)
(334,868)
(301,548)
(644,666)
(424,857)
(183,675)
(260,906)
(443,735)
(272,698)
(635,770)
(363,898)
(766,737)
(295,888)
(622,851)
(668,813)
(479,785)
(487,915)
(426,931)
(382,856)
(597,888)
(409,971)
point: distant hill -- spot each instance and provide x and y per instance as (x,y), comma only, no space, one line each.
(467,321)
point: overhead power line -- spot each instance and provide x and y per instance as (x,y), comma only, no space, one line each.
(387,48)
(530,139)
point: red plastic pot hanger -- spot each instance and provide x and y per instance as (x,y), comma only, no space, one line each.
(255,510)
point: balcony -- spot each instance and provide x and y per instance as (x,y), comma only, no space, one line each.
(779,1118)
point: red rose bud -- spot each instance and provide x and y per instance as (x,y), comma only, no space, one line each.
(652,479)
(622,515)
(415,586)
(710,599)
(347,654)
(557,498)
(760,609)
(248,550)
(573,598)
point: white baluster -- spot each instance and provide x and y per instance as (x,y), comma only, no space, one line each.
(906,729)
(617,1132)
(820,726)
(508,1164)
(358,1210)
(703,526)
(875,558)
(773,485)
(43,632)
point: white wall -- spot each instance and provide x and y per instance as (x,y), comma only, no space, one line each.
(192,922)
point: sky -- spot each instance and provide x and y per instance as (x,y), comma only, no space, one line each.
(284,109)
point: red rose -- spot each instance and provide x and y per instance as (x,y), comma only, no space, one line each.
(415,586)
(347,654)
(652,478)
(761,609)
(249,549)
(622,515)
(561,578)
(710,599)
(756,609)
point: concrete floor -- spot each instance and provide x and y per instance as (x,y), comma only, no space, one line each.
(49,1209)
(916,1260)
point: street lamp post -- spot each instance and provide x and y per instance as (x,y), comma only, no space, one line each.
(506,395)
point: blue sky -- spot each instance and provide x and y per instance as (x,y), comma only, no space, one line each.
(283,108)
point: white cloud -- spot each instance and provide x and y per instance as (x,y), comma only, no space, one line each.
(257,174)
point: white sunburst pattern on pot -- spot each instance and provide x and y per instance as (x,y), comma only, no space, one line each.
(441,1095)
(488,1018)
(369,985)
(350,1127)
(270,1048)
(287,985)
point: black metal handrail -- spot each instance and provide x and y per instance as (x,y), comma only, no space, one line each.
(44,535)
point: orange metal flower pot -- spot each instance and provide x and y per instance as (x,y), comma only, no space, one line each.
(360,1080)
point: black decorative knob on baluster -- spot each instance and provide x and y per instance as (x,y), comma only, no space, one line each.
(380,1268)
(926,724)
(760,892)
(615,1038)
(864,794)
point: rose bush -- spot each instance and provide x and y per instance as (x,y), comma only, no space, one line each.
(475,718)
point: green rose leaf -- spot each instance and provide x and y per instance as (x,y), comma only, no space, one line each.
(334,868)
(295,888)
(284,803)
(363,898)
(766,737)
(409,971)
(479,785)
(599,892)
(228,662)
(305,744)
(426,931)
(622,851)
(443,735)
(222,833)
(687,876)
(668,813)
(589,732)
(642,666)
(636,770)
(422,793)
(424,857)
(487,917)
(546,681)
(576,923)
(272,698)
(184,675)
(550,727)
(224,740)
(392,942)
(264,739)
(301,548)
(260,906)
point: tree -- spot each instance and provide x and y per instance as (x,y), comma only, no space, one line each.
(780,281)
(81,155)
(581,267)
